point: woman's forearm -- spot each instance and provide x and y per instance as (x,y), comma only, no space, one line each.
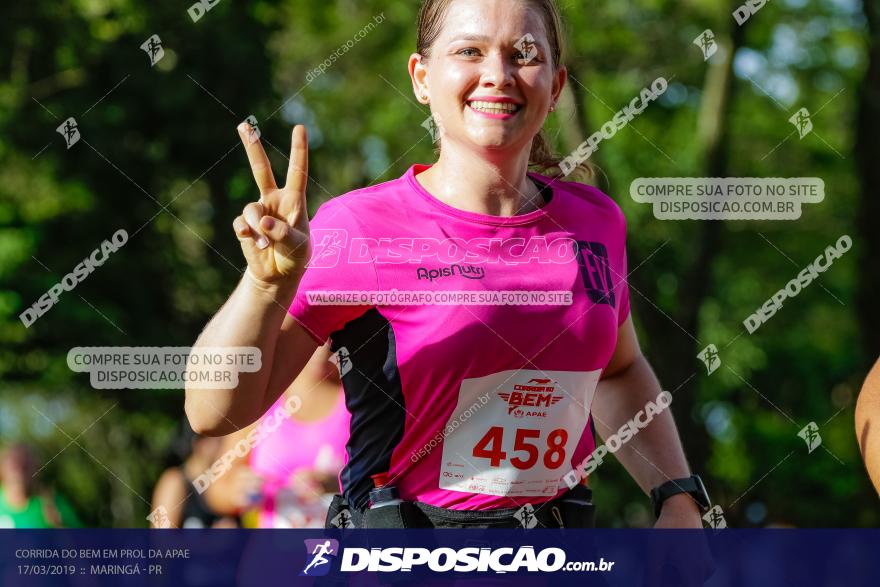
(251,317)
(653,454)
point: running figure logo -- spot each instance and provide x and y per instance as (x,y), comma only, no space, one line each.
(254,133)
(342,360)
(328,245)
(801,121)
(159,518)
(706,43)
(342,520)
(526,516)
(317,552)
(810,434)
(715,518)
(527,48)
(434,127)
(153,48)
(70,131)
(710,358)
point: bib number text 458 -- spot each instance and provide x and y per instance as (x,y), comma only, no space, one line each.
(489,447)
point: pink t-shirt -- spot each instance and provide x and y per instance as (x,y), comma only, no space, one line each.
(318,446)
(470,345)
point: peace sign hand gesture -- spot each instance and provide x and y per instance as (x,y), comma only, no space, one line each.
(274,232)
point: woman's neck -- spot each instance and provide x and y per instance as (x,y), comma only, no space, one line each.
(497,186)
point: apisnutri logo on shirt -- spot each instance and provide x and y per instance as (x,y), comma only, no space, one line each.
(468,271)
(319,555)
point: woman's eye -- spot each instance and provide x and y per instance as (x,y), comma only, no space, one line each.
(525,59)
(469,52)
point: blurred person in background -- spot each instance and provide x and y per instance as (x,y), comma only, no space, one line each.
(301,461)
(175,492)
(23,502)
(868,424)
(292,471)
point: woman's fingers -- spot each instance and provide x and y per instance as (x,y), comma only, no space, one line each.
(280,218)
(273,228)
(253,213)
(241,228)
(288,243)
(297,175)
(260,165)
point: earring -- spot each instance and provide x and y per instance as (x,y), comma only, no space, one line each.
(553,108)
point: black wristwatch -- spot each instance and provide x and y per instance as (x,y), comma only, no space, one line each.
(692,485)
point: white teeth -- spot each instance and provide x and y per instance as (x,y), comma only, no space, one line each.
(494,107)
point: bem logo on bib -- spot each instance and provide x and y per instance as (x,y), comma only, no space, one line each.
(537,393)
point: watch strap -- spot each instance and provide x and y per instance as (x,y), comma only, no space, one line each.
(692,485)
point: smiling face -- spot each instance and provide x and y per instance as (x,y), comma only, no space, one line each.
(490,75)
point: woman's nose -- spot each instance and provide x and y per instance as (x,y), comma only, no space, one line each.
(498,70)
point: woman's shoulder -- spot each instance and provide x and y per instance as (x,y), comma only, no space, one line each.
(590,200)
(589,194)
(171,476)
(366,201)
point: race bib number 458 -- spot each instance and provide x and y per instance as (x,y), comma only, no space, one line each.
(519,442)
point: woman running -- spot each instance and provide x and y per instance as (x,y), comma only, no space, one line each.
(182,505)
(470,397)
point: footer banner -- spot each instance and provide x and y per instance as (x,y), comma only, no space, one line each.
(264,558)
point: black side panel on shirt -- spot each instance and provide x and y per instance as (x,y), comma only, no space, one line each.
(374,397)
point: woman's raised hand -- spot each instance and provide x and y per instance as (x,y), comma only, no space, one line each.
(274,232)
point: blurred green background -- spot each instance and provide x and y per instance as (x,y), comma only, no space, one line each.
(160,157)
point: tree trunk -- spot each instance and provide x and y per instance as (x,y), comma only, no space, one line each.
(675,358)
(867,154)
